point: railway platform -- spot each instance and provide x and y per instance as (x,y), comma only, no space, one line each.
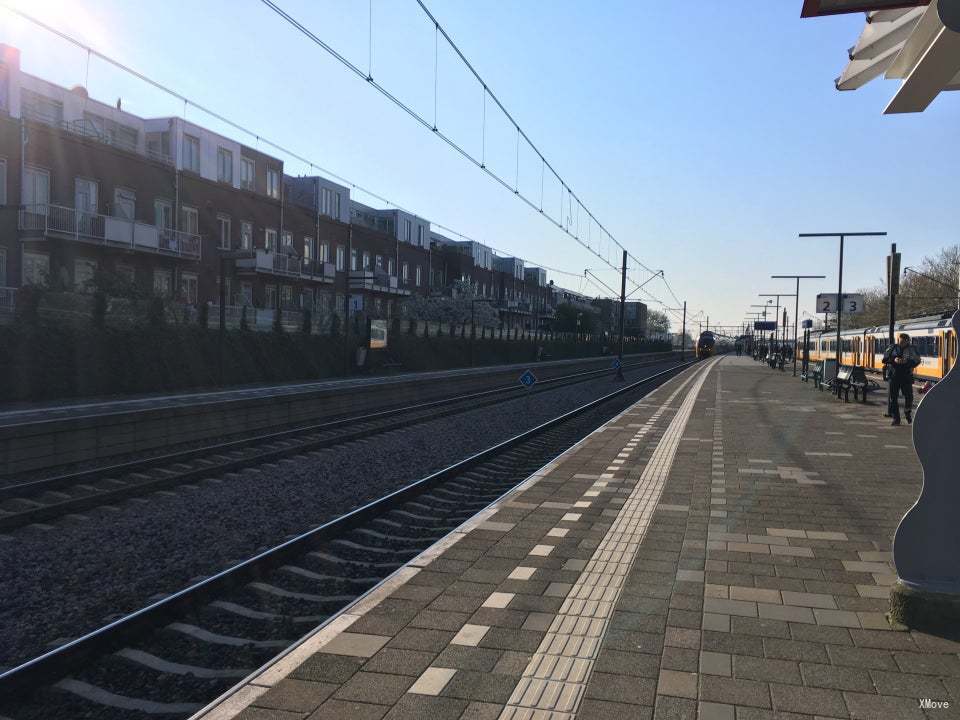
(720,550)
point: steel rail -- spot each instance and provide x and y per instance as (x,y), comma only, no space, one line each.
(33,487)
(57,662)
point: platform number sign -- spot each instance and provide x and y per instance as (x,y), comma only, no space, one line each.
(528,379)
(827,303)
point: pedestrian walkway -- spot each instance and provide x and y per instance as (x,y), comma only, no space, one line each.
(721,550)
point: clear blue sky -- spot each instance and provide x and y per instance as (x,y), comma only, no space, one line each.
(705,135)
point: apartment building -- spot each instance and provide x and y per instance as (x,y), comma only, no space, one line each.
(177,209)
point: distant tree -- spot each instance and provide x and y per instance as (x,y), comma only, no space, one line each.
(918,295)
(657,323)
(566,317)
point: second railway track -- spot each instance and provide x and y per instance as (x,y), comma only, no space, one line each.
(175,655)
(44,499)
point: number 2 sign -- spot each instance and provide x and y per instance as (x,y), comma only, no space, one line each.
(827,303)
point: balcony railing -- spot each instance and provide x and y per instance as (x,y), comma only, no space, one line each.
(82,226)
(8,300)
(84,128)
(376,281)
(282,263)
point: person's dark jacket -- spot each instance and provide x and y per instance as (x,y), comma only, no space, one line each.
(904,370)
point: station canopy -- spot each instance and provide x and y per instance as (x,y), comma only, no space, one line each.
(917,42)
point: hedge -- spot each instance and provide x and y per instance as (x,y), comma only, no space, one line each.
(48,359)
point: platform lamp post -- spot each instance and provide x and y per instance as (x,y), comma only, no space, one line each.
(796,309)
(842,237)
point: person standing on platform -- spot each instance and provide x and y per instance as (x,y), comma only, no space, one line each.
(900,359)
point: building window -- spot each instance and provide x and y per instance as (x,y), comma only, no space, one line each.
(366,261)
(341,303)
(390,267)
(286,296)
(405,271)
(86,195)
(223,231)
(188,287)
(246,293)
(36,187)
(83,272)
(36,268)
(287,237)
(270,296)
(3,267)
(273,183)
(38,107)
(353,259)
(246,236)
(407,225)
(324,253)
(341,257)
(247,173)
(124,204)
(336,206)
(378,263)
(420,235)
(3,181)
(224,165)
(270,239)
(326,201)
(191,153)
(189,220)
(163,214)
(307,248)
(419,276)
(162,283)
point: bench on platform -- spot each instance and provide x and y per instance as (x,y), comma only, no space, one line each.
(816,372)
(861,384)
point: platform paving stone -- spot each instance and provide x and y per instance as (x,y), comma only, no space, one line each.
(720,551)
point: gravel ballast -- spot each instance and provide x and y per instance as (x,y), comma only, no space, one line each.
(81,574)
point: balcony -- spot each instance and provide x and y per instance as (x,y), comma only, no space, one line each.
(288,265)
(56,221)
(376,281)
(86,129)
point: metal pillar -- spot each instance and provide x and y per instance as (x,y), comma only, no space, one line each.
(683,333)
(623,303)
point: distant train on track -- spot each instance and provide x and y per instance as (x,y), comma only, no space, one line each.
(932,336)
(706,345)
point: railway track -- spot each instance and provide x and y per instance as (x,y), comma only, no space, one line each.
(172,657)
(42,500)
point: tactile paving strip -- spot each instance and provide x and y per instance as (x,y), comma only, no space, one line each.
(555,678)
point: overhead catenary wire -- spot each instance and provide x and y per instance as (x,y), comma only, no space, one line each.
(258,138)
(478,162)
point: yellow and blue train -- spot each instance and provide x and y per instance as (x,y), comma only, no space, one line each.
(932,336)
(706,344)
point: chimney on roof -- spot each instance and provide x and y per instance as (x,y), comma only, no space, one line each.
(119,103)
(79,90)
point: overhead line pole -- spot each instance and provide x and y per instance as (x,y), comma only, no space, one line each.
(842,236)
(796,309)
(623,303)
